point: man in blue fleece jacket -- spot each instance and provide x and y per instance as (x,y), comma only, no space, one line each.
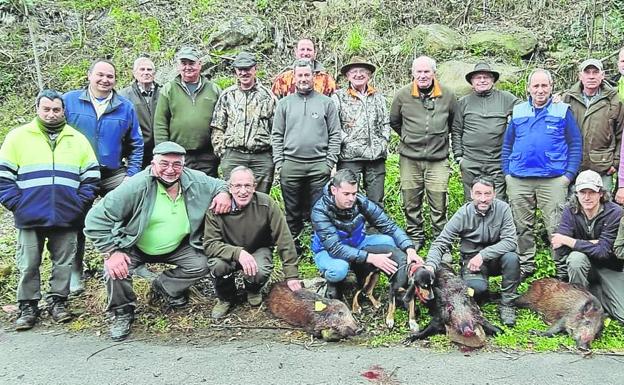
(542,151)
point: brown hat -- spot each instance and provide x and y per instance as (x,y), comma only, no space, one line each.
(357,61)
(482,67)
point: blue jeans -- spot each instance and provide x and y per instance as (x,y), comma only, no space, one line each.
(335,269)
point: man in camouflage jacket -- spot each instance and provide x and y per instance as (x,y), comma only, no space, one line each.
(365,129)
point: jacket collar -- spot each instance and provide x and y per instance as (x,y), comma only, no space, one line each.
(114,103)
(435,93)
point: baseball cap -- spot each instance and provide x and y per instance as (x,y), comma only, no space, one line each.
(588,179)
(590,62)
(168,148)
(189,53)
(244,60)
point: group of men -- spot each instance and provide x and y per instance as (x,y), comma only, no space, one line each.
(153,153)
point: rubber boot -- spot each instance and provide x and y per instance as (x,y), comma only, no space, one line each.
(76,282)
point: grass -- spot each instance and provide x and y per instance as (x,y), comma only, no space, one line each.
(158,323)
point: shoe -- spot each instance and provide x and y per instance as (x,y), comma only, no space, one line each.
(221,308)
(28,315)
(59,312)
(158,292)
(508,315)
(120,327)
(254,299)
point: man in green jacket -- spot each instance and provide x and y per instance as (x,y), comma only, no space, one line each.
(478,128)
(244,240)
(184,112)
(156,216)
(600,116)
(422,113)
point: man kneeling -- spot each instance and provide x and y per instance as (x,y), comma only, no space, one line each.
(244,240)
(339,221)
(155,216)
(487,237)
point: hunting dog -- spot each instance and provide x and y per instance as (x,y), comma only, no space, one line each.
(409,281)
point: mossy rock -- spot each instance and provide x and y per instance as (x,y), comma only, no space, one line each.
(239,33)
(436,39)
(515,44)
(452,74)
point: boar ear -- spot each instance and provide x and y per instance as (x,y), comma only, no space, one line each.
(589,307)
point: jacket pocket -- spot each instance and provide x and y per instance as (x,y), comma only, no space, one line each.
(556,160)
(601,159)
(554,126)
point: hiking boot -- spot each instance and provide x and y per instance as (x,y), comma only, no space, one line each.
(59,312)
(122,320)
(28,315)
(254,299)
(508,315)
(221,308)
(158,292)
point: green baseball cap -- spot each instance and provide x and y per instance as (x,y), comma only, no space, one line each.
(168,148)
(189,53)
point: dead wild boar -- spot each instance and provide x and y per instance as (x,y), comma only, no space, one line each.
(329,319)
(455,312)
(566,307)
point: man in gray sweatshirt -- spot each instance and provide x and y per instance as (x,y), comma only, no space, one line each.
(306,143)
(487,245)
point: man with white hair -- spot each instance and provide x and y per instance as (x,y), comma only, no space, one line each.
(143,93)
(422,114)
(541,156)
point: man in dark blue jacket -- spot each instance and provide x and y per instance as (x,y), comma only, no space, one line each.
(111,125)
(586,239)
(541,155)
(339,221)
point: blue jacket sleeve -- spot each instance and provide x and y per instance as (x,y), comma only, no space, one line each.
(508,141)
(575,145)
(134,143)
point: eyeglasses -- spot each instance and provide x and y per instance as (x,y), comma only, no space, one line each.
(239,187)
(177,166)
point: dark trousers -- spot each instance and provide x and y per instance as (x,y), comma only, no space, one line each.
(202,160)
(302,184)
(373,175)
(190,266)
(508,265)
(471,169)
(223,273)
(261,163)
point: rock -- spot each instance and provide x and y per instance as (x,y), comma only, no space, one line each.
(239,33)
(515,44)
(452,74)
(436,39)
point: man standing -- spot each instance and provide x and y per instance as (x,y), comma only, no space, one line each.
(541,155)
(586,238)
(487,236)
(244,240)
(600,116)
(306,144)
(48,179)
(478,128)
(143,93)
(241,125)
(110,123)
(422,114)
(339,220)
(156,216)
(285,83)
(365,127)
(184,112)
